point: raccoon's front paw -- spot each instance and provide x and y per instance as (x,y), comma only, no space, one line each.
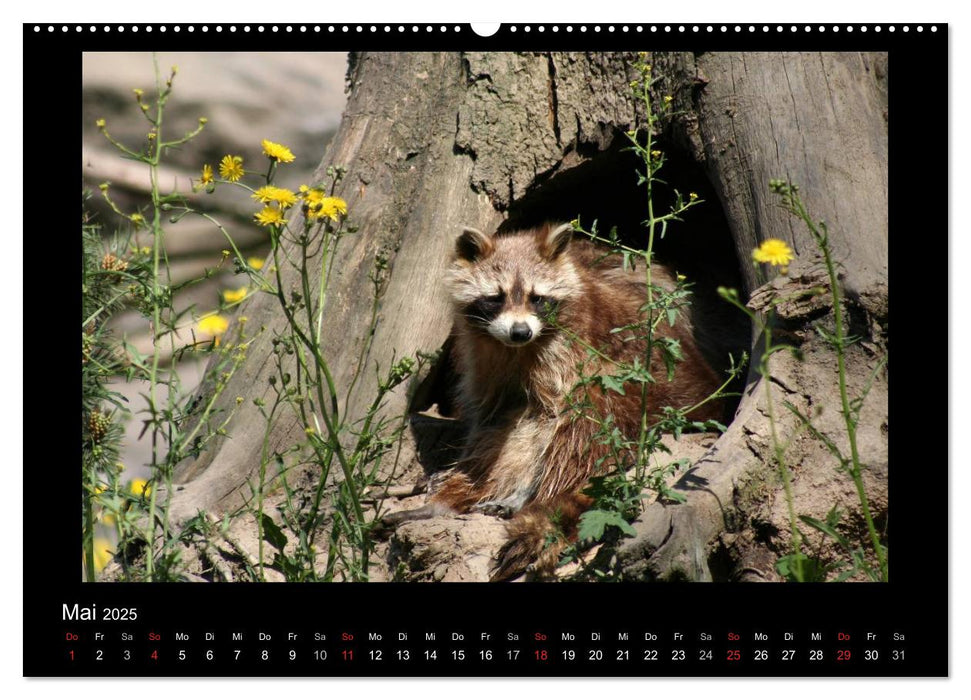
(382,528)
(496,508)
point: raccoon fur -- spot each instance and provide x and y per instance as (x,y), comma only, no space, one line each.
(529,306)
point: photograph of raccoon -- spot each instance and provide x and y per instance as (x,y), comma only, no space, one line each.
(533,316)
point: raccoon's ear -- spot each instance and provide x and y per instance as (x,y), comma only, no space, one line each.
(473,245)
(557,241)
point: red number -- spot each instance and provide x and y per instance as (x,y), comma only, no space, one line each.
(541,655)
(155,654)
(842,654)
(734,655)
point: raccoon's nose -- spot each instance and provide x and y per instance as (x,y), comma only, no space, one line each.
(520,332)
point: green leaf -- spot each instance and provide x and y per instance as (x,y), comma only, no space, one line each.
(272,532)
(670,494)
(825,528)
(799,567)
(833,517)
(593,523)
(613,383)
(789,567)
(624,526)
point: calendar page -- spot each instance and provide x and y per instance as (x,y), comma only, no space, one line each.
(467,350)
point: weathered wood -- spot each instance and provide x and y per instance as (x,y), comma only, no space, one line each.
(815,119)
(525,116)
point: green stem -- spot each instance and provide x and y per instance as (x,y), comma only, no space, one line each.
(643,458)
(779,450)
(264,458)
(156,319)
(88,535)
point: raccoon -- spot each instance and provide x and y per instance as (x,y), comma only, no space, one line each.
(535,311)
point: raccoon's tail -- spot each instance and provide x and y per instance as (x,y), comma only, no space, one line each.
(538,534)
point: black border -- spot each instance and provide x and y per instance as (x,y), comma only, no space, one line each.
(915,601)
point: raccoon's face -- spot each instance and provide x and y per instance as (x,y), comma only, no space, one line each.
(513,286)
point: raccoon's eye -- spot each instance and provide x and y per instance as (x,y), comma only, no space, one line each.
(540,301)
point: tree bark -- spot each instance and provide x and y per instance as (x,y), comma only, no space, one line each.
(815,119)
(433,142)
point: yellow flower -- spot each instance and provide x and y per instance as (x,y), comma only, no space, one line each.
(137,219)
(206,175)
(270,216)
(284,197)
(213,325)
(668,99)
(320,206)
(312,197)
(138,92)
(655,154)
(774,252)
(692,196)
(277,152)
(140,487)
(103,551)
(233,295)
(333,208)
(231,168)
(255,263)
(100,124)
